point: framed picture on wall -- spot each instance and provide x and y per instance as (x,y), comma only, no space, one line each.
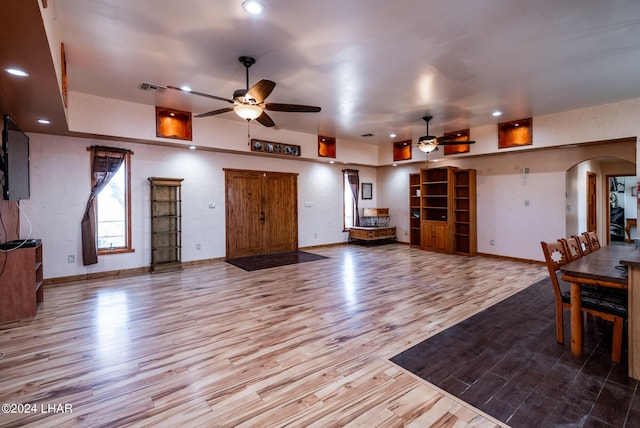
(367,191)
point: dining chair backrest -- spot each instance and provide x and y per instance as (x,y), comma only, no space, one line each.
(555,256)
(572,248)
(585,245)
(593,240)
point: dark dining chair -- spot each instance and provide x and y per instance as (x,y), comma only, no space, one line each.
(605,303)
(584,244)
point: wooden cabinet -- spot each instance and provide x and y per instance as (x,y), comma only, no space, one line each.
(446,212)
(435,236)
(414,210)
(436,209)
(21,290)
(166,224)
(362,233)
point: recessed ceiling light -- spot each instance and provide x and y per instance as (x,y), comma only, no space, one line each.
(395,164)
(253,7)
(332,161)
(517,124)
(192,147)
(185,88)
(392,135)
(496,113)
(44,121)
(16,72)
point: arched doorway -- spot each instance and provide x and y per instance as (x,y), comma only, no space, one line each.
(580,200)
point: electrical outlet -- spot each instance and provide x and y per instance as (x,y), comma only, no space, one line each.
(198,247)
(212,205)
(71,259)
(492,242)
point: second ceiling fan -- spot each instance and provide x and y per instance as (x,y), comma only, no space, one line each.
(249,103)
(428,143)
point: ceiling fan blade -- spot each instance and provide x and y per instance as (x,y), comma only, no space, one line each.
(453,143)
(214,112)
(261,90)
(265,120)
(202,94)
(292,108)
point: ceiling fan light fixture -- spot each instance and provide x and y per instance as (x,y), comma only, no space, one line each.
(427,145)
(248,111)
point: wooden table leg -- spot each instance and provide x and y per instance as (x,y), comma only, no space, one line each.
(576,320)
(633,327)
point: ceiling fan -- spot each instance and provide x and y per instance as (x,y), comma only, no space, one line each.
(428,143)
(249,103)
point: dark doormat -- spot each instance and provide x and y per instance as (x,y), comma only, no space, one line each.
(506,362)
(274,260)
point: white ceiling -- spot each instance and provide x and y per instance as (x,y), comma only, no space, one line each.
(373,66)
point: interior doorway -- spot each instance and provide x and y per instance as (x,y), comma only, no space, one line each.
(592,201)
(588,192)
(622,208)
(261,213)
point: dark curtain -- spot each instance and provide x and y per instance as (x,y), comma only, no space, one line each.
(105,164)
(354,183)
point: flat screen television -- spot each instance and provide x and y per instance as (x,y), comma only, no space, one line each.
(15,162)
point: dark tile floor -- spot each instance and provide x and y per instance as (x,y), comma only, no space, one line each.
(506,362)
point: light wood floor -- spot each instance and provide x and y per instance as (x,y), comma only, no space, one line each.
(215,346)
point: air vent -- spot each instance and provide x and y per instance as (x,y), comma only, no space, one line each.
(367,135)
(151,87)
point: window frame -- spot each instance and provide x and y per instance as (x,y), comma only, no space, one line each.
(345,183)
(127,248)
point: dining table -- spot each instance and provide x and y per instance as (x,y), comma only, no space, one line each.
(613,266)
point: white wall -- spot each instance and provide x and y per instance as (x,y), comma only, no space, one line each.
(61,183)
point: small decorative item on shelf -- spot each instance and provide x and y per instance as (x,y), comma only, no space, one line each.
(274,148)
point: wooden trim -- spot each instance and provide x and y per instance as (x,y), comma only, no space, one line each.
(513,259)
(106,252)
(261,172)
(58,281)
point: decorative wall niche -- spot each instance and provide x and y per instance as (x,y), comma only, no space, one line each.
(173,123)
(462,135)
(515,133)
(402,150)
(326,147)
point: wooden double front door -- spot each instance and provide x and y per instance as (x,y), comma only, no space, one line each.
(261,212)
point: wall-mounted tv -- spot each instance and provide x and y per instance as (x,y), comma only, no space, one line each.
(15,161)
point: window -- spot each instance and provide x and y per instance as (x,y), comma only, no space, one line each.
(350,184)
(113,212)
(106,163)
